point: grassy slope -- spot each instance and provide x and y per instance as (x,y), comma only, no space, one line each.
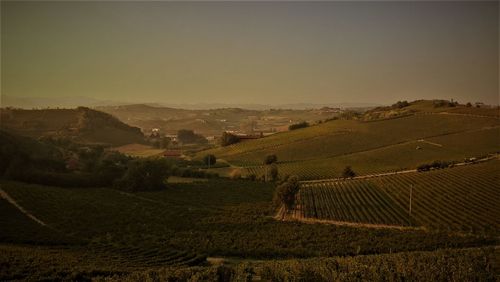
(81,124)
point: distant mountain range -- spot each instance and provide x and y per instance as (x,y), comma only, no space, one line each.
(72,102)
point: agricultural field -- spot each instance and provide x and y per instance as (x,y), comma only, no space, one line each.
(139,150)
(341,137)
(403,156)
(471,264)
(464,198)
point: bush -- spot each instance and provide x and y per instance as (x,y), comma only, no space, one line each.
(235,174)
(303,124)
(348,172)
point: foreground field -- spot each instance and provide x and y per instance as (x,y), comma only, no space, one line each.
(51,263)
(465,198)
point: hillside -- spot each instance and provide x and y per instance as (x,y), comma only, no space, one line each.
(464,198)
(371,146)
(82,125)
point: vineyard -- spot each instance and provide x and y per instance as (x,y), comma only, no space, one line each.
(465,198)
(341,137)
(452,147)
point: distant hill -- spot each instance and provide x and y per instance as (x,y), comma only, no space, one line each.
(382,140)
(214,121)
(82,125)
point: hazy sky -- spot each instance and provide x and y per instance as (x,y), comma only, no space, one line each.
(251,52)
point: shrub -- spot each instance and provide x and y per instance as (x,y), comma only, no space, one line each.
(348,172)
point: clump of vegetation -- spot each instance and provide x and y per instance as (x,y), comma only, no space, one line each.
(209,160)
(228,139)
(400,105)
(303,124)
(434,165)
(348,172)
(270,159)
(286,191)
(189,137)
(444,103)
(144,175)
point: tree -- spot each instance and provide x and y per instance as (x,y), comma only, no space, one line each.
(270,159)
(348,172)
(228,139)
(303,124)
(144,175)
(209,160)
(286,191)
(468,105)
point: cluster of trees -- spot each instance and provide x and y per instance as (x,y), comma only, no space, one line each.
(400,105)
(228,139)
(186,136)
(434,165)
(303,124)
(444,103)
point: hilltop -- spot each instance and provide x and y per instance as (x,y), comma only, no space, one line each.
(81,125)
(380,140)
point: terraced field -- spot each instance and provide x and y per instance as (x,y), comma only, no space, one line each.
(465,198)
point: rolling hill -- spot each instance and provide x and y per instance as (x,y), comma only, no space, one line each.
(82,125)
(372,146)
(212,122)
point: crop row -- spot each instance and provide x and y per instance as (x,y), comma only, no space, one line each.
(465,198)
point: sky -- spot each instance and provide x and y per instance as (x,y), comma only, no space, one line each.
(251,52)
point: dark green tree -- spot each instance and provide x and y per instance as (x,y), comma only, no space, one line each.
(286,191)
(348,172)
(209,160)
(270,159)
(144,175)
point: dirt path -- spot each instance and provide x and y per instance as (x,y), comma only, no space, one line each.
(282,216)
(9,199)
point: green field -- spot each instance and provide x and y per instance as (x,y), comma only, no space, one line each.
(465,198)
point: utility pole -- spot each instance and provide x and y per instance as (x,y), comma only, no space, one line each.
(409,209)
